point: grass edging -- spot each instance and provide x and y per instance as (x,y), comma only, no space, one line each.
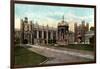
(20,56)
(84,47)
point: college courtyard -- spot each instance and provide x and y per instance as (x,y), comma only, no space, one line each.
(50,55)
(41,45)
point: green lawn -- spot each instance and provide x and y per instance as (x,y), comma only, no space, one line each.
(25,57)
(87,47)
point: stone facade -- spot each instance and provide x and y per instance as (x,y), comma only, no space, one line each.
(32,33)
(80,31)
(63,33)
(88,35)
(36,34)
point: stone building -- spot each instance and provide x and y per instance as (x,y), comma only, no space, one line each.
(63,30)
(88,35)
(71,37)
(17,36)
(33,33)
(80,31)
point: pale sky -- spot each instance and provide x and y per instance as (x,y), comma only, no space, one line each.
(52,15)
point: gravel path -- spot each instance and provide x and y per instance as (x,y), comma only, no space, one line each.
(61,56)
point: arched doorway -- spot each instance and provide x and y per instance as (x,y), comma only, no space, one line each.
(45,41)
(25,41)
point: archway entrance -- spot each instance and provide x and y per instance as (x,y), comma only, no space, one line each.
(45,41)
(25,41)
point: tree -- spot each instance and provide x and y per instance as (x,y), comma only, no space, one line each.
(92,40)
(92,28)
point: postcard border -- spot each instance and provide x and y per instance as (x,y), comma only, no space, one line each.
(44,3)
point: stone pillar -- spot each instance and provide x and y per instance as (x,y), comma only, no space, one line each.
(67,38)
(47,36)
(51,35)
(37,37)
(56,35)
(22,32)
(37,34)
(31,39)
(32,34)
(42,34)
(60,37)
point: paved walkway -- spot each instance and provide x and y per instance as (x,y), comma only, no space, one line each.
(61,56)
(80,53)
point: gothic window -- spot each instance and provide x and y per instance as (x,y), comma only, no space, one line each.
(54,34)
(44,34)
(40,34)
(35,34)
(49,33)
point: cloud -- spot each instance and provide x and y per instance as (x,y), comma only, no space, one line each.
(52,21)
(78,19)
(52,15)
